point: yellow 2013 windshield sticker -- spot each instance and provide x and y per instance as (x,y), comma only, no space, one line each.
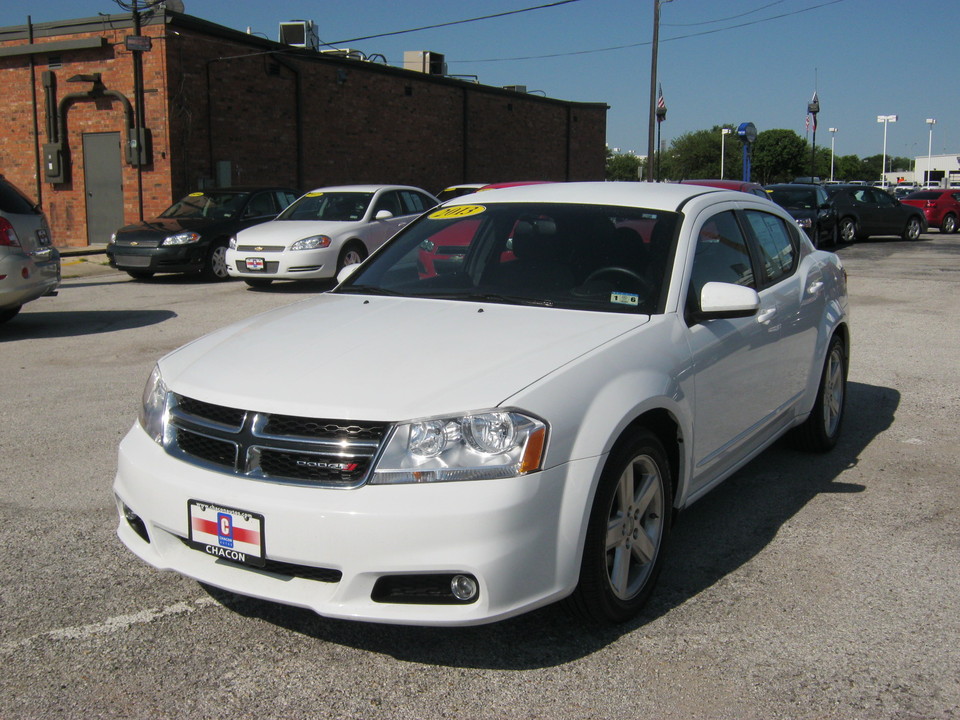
(313,194)
(196,194)
(456,211)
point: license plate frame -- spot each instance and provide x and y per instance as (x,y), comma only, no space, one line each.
(226,533)
(255,264)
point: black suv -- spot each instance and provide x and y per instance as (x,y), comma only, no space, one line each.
(191,236)
(810,207)
(863,211)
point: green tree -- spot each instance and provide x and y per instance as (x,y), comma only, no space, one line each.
(697,155)
(779,156)
(624,166)
(848,167)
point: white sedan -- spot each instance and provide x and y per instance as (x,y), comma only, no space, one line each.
(508,431)
(323,231)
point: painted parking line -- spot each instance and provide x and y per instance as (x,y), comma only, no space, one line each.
(110,625)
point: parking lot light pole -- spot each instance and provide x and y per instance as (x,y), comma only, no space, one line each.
(885,119)
(833,138)
(723,136)
(931,122)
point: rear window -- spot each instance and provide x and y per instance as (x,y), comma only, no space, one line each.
(13,201)
(924,195)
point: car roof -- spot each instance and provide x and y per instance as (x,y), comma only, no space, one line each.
(724,184)
(655,196)
(366,188)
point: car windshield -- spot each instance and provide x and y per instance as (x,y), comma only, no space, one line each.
(794,198)
(211,205)
(335,206)
(580,257)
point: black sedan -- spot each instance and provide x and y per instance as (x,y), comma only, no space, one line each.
(864,211)
(191,236)
(810,207)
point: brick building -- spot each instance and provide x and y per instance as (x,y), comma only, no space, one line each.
(218,106)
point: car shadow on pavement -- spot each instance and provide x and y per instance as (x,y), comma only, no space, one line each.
(712,539)
(66,323)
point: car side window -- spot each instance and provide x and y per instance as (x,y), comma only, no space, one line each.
(777,245)
(861,196)
(721,255)
(413,202)
(388,201)
(883,199)
(285,198)
(261,204)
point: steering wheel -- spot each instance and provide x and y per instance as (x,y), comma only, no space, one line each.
(615,270)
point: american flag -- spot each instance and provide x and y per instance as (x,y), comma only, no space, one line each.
(661,105)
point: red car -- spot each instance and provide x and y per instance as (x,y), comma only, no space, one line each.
(747,187)
(941,206)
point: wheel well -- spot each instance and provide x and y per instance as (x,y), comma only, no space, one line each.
(662,424)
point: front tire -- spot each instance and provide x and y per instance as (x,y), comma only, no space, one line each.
(352,253)
(215,266)
(912,230)
(627,532)
(820,431)
(848,230)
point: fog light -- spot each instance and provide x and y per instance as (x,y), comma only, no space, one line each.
(463,587)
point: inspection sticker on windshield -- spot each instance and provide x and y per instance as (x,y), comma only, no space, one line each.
(226,533)
(620,298)
(457,211)
(313,194)
(196,194)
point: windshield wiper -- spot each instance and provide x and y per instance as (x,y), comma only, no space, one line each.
(497,298)
(369,290)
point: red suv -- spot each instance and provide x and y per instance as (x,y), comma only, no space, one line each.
(941,206)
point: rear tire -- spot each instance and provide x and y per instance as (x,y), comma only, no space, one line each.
(627,532)
(948,224)
(912,230)
(821,430)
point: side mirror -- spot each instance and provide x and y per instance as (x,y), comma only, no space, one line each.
(383,215)
(726,300)
(346,271)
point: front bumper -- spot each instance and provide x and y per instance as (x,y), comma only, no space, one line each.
(287,265)
(170,259)
(520,538)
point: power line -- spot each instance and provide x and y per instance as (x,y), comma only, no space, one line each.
(732,17)
(647,42)
(454,22)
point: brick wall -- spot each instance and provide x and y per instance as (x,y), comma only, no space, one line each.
(289,118)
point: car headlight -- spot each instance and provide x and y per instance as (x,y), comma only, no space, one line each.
(805,223)
(184,238)
(113,238)
(311,243)
(233,242)
(153,410)
(475,446)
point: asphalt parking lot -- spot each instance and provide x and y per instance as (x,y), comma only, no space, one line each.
(804,587)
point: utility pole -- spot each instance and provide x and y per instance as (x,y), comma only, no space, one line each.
(653,90)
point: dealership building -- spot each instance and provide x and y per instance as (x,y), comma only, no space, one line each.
(107,120)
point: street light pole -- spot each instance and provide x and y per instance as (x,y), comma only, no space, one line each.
(833,137)
(885,119)
(931,122)
(723,136)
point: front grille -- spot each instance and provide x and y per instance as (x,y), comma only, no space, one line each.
(317,452)
(260,248)
(268,268)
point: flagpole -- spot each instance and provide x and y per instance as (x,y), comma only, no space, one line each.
(813,108)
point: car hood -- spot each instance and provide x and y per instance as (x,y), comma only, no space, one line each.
(378,358)
(162,227)
(289,231)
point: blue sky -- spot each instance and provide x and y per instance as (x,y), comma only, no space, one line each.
(720,62)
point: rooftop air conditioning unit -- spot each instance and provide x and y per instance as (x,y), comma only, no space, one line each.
(349,53)
(424,61)
(300,33)
(516,88)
